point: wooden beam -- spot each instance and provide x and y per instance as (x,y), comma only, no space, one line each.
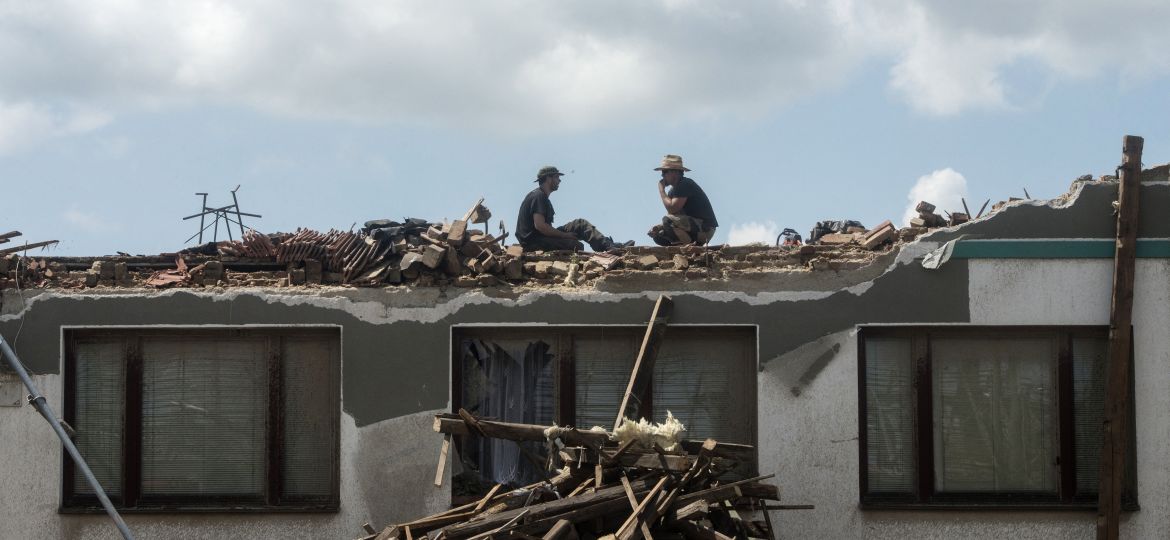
(644,363)
(669,462)
(445,423)
(563,527)
(544,516)
(455,425)
(26,247)
(718,493)
(1115,443)
(630,529)
(443,451)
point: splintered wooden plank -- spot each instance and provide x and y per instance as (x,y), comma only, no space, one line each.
(668,462)
(543,516)
(630,529)
(563,528)
(445,423)
(718,493)
(644,363)
(634,506)
(442,460)
(27,247)
(484,501)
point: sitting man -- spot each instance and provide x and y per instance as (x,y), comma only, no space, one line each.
(534,227)
(689,217)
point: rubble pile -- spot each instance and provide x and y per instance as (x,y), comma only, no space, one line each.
(421,253)
(595,486)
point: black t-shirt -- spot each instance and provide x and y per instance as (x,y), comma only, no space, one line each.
(536,202)
(697,205)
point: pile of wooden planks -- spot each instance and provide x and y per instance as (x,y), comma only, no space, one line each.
(596,487)
(599,486)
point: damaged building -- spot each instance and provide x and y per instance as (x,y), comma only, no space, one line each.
(942,382)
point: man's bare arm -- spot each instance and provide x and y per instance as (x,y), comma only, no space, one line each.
(673,205)
(544,228)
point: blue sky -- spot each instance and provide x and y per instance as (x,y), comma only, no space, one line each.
(113,114)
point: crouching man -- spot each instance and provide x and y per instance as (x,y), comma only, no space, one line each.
(689,217)
(534,227)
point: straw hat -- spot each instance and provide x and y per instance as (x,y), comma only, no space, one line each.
(672,162)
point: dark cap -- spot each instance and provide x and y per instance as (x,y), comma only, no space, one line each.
(547,170)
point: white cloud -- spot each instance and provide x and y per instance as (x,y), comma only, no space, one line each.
(89,222)
(753,232)
(530,66)
(26,124)
(944,188)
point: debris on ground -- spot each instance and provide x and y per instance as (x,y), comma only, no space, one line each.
(596,486)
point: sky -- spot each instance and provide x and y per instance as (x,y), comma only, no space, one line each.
(114,113)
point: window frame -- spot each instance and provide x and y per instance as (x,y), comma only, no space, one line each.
(925,496)
(562,346)
(131,499)
(566,384)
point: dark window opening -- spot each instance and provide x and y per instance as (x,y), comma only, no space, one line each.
(575,376)
(206,419)
(983,417)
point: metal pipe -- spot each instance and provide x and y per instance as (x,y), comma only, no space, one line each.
(38,401)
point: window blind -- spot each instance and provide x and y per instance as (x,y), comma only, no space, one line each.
(889,407)
(204,416)
(99,395)
(995,414)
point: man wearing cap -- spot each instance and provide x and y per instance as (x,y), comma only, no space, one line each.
(534,227)
(689,217)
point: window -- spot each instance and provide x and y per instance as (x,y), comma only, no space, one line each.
(705,376)
(982,416)
(215,419)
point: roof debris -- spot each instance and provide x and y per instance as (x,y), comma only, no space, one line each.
(420,253)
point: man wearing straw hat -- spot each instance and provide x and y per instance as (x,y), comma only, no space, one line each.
(689,217)
(534,227)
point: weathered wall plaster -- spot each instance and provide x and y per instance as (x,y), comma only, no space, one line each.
(395,373)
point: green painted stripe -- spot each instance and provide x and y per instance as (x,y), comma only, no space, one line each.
(1053,249)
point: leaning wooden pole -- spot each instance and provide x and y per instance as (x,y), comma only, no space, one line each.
(1115,443)
(644,363)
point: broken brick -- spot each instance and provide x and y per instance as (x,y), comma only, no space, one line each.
(646,262)
(457,233)
(514,269)
(879,237)
(313,271)
(432,256)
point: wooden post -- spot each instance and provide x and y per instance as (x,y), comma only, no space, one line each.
(1114,446)
(644,364)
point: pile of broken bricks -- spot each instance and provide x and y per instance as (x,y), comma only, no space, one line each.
(426,254)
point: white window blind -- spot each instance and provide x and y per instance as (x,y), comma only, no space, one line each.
(889,408)
(995,414)
(99,391)
(204,416)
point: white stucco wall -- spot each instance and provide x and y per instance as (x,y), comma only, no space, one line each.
(810,440)
(808,437)
(387,476)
